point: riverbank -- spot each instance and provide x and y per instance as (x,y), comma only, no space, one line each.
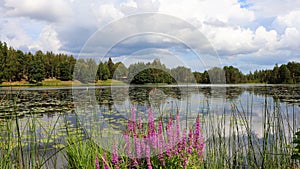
(56,82)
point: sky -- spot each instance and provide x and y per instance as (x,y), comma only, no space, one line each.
(248,34)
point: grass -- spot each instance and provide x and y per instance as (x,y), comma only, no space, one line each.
(230,141)
(229,138)
(56,82)
(110,82)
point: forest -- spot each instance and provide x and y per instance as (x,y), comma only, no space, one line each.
(16,65)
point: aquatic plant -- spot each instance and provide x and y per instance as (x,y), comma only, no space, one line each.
(296,141)
(152,146)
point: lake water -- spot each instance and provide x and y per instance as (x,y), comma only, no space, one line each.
(116,102)
(103,108)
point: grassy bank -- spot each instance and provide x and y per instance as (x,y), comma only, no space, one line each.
(56,82)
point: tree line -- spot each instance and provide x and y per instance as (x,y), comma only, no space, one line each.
(15,65)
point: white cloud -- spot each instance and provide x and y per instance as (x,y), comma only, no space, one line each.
(54,10)
(47,41)
(13,33)
(235,32)
(128,7)
(292,19)
(231,40)
(290,39)
(265,38)
(224,10)
(107,13)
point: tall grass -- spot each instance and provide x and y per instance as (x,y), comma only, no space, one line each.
(27,142)
(230,140)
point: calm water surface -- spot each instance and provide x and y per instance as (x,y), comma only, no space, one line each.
(51,110)
(47,104)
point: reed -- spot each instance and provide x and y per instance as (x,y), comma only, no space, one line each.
(229,138)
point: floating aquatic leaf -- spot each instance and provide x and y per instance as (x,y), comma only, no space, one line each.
(59,146)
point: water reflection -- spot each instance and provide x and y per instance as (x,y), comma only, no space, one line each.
(22,101)
(103,109)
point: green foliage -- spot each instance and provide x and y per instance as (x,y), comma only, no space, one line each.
(296,141)
(16,65)
(120,71)
(111,67)
(233,75)
(85,71)
(36,68)
(65,73)
(216,75)
(295,71)
(284,74)
(183,74)
(155,72)
(103,72)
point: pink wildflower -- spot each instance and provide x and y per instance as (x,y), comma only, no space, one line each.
(148,157)
(97,162)
(115,158)
(104,161)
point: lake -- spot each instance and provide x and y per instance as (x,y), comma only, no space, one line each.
(104,109)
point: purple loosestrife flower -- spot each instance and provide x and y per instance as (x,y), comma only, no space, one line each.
(129,125)
(198,138)
(190,149)
(183,144)
(200,146)
(104,161)
(115,158)
(186,160)
(143,146)
(135,163)
(137,144)
(148,156)
(127,145)
(160,127)
(148,150)
(177,126)
(171,137)
(151,129)
(140,123)
(97,162)
(177,136)
(197,131)
(190,141)
(160,145)
(162,160)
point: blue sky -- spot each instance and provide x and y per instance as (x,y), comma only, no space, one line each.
(248,34)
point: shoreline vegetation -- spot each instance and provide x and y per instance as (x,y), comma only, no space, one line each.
(108,82)
(204,144)
(111,82)
(60,83)
(18,68)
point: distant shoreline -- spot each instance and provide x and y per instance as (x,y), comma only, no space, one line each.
(59,83)
(120,84)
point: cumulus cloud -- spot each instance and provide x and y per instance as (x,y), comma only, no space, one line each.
(47,41)
(54,10)
(12,33)
(237,30)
